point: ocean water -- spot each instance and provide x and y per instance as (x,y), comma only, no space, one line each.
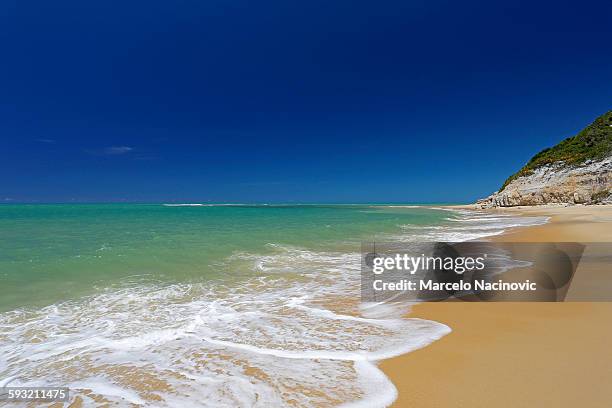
(209,305)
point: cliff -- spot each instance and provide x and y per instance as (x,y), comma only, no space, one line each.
(576,171)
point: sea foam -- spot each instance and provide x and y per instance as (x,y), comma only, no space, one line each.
(292,334)
(265,341)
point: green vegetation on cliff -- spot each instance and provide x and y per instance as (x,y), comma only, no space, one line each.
(592,143)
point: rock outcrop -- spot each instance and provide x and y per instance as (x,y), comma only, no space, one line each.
(590,183)
(576,171)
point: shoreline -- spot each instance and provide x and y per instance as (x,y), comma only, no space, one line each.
(519,354)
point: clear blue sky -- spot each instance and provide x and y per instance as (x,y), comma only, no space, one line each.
(279,101)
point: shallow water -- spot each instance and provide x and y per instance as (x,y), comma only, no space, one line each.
(209,305)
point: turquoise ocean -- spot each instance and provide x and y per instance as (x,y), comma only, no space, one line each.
(209,304)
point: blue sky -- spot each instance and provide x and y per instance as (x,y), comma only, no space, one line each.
(280,101)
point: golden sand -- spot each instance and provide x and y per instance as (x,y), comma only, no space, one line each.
(521,354)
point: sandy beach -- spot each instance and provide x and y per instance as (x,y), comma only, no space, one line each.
(521,354)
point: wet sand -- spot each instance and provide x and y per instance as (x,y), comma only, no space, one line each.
(522,354)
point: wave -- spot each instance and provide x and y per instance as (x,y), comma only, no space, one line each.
(295,333)
(181,344)
(211,205)
(463,225)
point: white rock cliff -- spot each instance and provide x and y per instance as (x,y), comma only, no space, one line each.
(588,183)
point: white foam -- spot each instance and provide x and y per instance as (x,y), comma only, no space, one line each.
(109,391)
(379,391)
(200,338)
(214,205)
(184,205)
(465,225)
(249,344)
